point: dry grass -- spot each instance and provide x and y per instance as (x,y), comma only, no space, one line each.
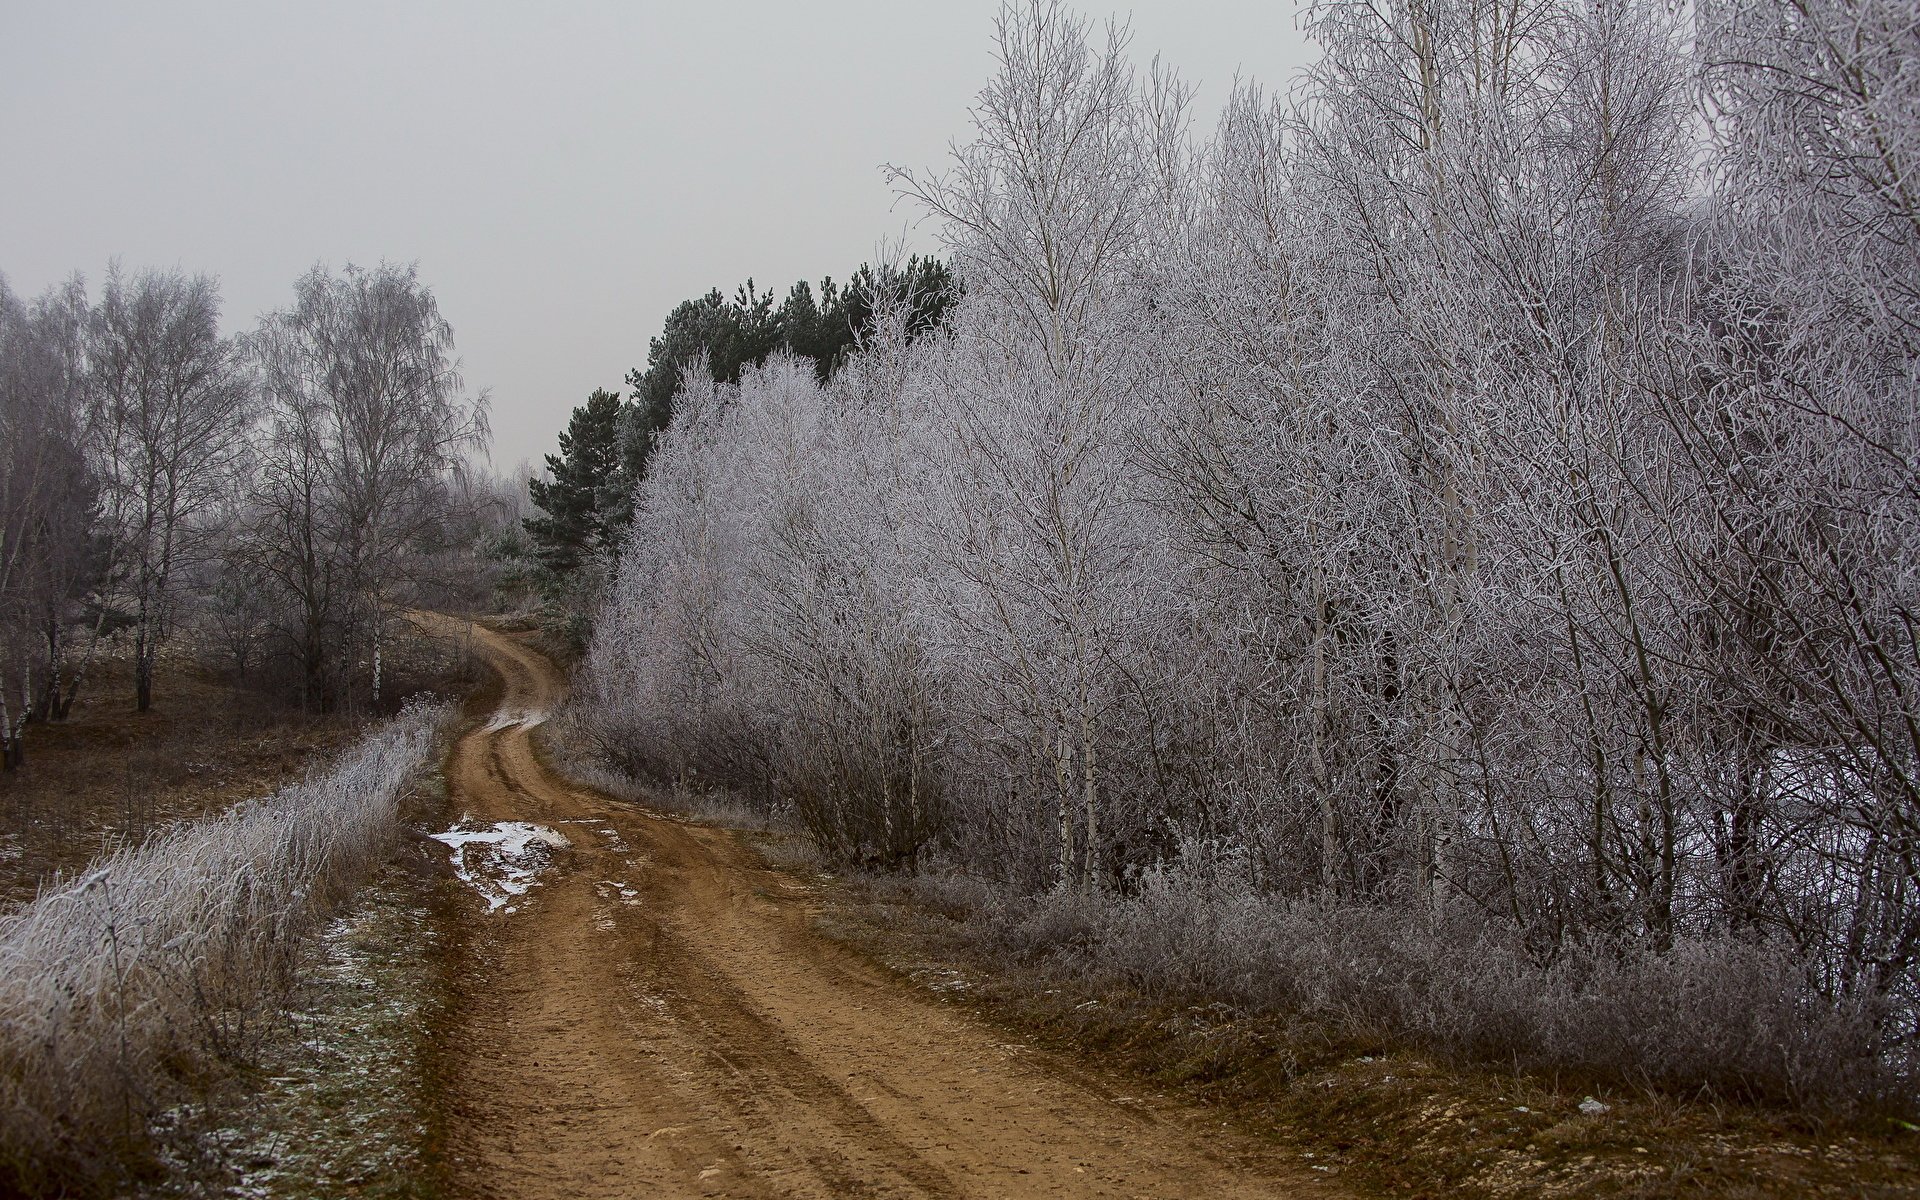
(1730,1018)
(109,776)
(124,991)
(1386,1117)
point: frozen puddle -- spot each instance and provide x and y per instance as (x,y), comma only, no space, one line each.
(506,719)
(501,862)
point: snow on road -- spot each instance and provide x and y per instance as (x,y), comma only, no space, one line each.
(510,718)
(503,861)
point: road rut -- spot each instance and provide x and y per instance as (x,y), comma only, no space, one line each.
(658,1018)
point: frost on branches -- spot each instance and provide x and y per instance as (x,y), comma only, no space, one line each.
(1480,487)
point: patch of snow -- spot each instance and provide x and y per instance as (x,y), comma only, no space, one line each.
(1594,1108)
(611,836)
(628,896)
(503,861)
(507,718)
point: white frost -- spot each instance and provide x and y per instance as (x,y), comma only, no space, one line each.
(628,896)
(506,718)
(611,837)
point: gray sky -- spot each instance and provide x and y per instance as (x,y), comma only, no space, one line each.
(563,173)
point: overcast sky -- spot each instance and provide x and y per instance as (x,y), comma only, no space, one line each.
(562,173)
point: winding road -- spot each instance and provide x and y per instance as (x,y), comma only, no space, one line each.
(658,1018)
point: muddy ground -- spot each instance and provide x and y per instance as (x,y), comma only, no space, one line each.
(615,1001)
(658,1017)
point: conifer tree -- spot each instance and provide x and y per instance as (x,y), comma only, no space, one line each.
(586,504)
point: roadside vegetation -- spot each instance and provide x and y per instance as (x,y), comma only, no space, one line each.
(213,716)
(1430,560)
(127,990)
(1348,1102)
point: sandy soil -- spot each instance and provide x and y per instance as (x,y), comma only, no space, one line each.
(658,1018)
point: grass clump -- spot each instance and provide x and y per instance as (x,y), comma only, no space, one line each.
(1744,1021)
(129,990)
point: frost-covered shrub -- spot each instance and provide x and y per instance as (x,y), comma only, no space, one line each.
(1458,486)
(128,988)
(1738,1019)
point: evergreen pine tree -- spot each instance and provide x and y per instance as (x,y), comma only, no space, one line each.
(586,504)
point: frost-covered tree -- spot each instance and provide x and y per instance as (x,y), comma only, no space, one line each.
(49,544)
(365,429)
(1042,211)
(1475,492)
(170,398)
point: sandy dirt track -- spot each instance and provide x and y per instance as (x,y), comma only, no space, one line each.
(658,1018)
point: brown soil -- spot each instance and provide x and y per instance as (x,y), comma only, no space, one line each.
(109,775)
(1386,1119)
(697,1037)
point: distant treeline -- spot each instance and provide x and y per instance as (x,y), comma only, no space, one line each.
(586,502)
(278,493)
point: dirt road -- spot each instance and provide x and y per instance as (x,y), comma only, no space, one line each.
(657,1018)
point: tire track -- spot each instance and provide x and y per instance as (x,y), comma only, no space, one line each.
(659,1019)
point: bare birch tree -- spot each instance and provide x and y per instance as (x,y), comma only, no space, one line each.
(48,540)
(365,427)
(169,414)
